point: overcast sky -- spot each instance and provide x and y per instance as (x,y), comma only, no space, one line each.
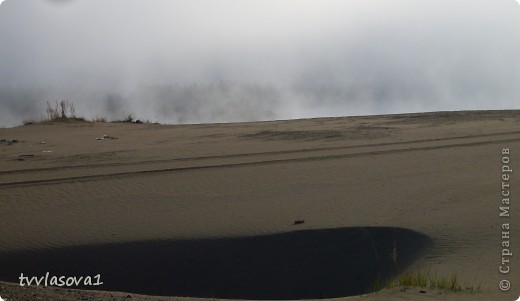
(191,61)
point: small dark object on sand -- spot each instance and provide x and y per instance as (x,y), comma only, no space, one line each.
(105,137)
(299,222)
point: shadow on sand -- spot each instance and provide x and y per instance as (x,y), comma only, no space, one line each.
(305,264)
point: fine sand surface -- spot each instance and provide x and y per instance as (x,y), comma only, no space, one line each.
(209,211)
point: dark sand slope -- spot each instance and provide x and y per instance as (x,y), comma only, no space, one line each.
(209,210)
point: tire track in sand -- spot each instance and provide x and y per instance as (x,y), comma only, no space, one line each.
(327,155)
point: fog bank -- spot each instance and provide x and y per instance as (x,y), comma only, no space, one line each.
(197,61)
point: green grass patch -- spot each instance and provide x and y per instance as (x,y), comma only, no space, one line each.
(426,279)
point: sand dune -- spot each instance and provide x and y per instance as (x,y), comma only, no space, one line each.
(225,197)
